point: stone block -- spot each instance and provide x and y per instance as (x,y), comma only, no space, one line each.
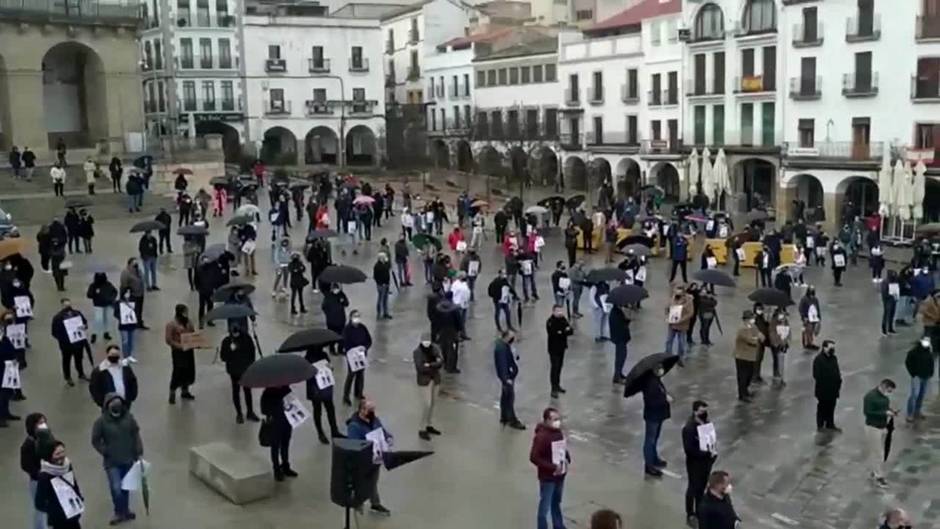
(239,476)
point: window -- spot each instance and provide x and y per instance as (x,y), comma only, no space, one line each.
(656,129)
(440,86)
(514,76)
(148,55)
(491,78)
(928,78)
(550,73)
(807,131)
(747,62)
(221,13)
(208,95)
(158,54)
(863,76)
(551,122)
(657,90)
(768,134)
(927,136)
(357,57)
(673,89)
(747,124)
(632,132)
(319,95)
(769,68)
(866,18)
(161,97)
(456,86)
(481,78)
(531,123)
(598,130)
(151,99)
(456,117)
(390,43)
(359,94)
(584,14)
(183,15)
(698,62)
(574,90)
(709,23)
(189,95)
(433,118)
(466,85)
(810,25)
(467,116)
(807,76)
(186,53)
(205,53)
(414,72)
(672,126)
(316,53)
(525,74)
(655,33)
(277,99)
(443,119)
(633,80)
(537,73)
(512,123)
(225,53)
(760,16)
(496,121)
(228,96)
(597,90)
(202,13)
(502,76)
(274,51)
(718,77)
(483,126)
(718,125)
(699,128)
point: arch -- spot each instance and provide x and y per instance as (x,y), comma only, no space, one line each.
(74,95)
(543,165)
(628,177)
(666,177)
(231,144)
(490,161)
(709,23)
(518,163)
(600,172)
(755,178)
(361,146)
(576,173)
(760,16)
(464,157)
(440,153)
(279,147)
(321,146)
(6,124)
(856,196)
(931,201)
(810,191)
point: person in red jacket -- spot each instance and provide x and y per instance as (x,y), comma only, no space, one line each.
(551,457)
(455,238)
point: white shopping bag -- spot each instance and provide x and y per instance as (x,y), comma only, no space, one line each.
(812,314)
(11,375)
(75,329)
(783,331)
(526,267)
(133,480)
(295,411)
(894,290)
(24,307)
(357,359)
(560,455)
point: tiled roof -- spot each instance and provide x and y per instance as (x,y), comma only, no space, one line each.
(487,36)
(534,47)
(635,15)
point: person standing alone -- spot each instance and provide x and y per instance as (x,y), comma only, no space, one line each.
(879,416)
(428,361)
(558,329)
(116,436)
(551,458)
(504,356)
(828,379)
(698,461)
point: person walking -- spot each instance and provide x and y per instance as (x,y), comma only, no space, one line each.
(57,174)
(116,437)
(297,279)
(90,168)
(320,393)
(502,294)
(131,281)
(716,510)
(363,422)
(620,336)
(16,162)
(558,329)
(148,256)
(550,455)
(876,407)
(183,374)
(37,437)
(827,377)
(71,339)
(656,409)
(279,430)
(428,361)
(237,352)
(382,274)
(504,357)
(698,460)
(920,365)
(746,344)
(163,217)
(55,470)
(355,335)
(679,314)
(113,377)
(103,295)
(812,318)
(471,265)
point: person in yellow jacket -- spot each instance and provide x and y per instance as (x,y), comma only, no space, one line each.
(746,344)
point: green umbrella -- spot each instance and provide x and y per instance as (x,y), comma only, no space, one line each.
(422,239)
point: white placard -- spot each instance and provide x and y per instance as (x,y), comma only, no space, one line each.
(16,333)
(461,246)
(894,290)
(641,274)
(128,316)
(666,229)
(723,232)
(783,331)
(564,284)
(810,242)
(24,308)
(75,329)
(379,444)
(741,254)
(133,480)
(294,411)
(71,503)
(765,261)
(248,247)
(526,267)
(710,225)
(838,260)
(711,262)
(11,375)
(429,217)
(273,215)
(351,226)
(324,377)
(505,295)
(707,438)
(812,314)
(539,243)
(675,313)
(560,455)
(357,359)
(473,268)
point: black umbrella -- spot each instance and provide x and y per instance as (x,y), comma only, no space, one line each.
(771,297)
(446,306)
(715,277)
(575,201)
(229,311)
(77,203)
(637,376)
(192,230)
(225,292)
(321,234)
(551,201)
(214,251)
(890,429)
(148,225)
(627,295)
(303,340)
(239,220)
(342,274)
(220,181)
(299,185)
(639,250)
(403,457)
(757,215)
(599,275)
(635,239)
(277,370)
(652,189)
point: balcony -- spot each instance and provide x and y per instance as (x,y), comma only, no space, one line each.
(710,36)
(571,141)
(275,65)
(389,46)
(572,97)
(118,12)
(318,65)
(928,28)
(703,88)
(225,21)
(807,36)
(625,141)
(361,107)
(277,107)
(836,150)
(628,96)
(807,89)
(654,98)
(414,73)
(597,95)
(754,84)
(360,64)
(863,29)
(925,90)
(660,147)
(413,36)
(856,85)
(208,105)
(317,107)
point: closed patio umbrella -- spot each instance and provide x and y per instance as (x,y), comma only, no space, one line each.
(886,187)
(708,178)
(693,174)
(920,188)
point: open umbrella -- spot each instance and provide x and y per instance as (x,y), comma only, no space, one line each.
(627,295)
(398,458)
(446,306)
(219,181)
(240,220)
(148,225)
(422,239)
(652,190)
(248,210)
(182,171)
(226,291)
(303,340)
(342,274)
(479,204)
(536,210)
(575,201)
(214,251)
(11,246)
(277,370)
(640,250)
(770,296)
(321,234)
(636,378)
(552,201)
(143,161)
(714,277)
(599,275)
(364,199)
(229,311)
(635,239)
(77,203)
(192,230)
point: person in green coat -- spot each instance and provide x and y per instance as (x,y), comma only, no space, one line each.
(920,365)
(876,405)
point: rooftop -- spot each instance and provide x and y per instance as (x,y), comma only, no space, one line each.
(490,35)
(634,16)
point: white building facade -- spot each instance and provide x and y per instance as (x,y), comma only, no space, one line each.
(451,107)
(314,89)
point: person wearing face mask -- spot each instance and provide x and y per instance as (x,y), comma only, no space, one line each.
(321,398)
(679,315)
(828,384)
(502,294)
(382,274)
(811,315)
(763,325)
(296,270)
(70,346)
(656,409)
(716,510)
(56,469)
(428,361)
(778,333)
(272,407)
(207,278)
(132,281)
(361,423)
(698,462)
(920,365)
(355,334)
(561,286)
(504,357)
(838,262)
(619,321)
(551,458)
(116,436)
(127,325)
(113,376)
(896,519)
(148,249)
(183,374)
(102,294)
(7,360)
(558,329)
(282,259)
(238,352)
(334,309)
(746,345)
(37,435)
(879,416)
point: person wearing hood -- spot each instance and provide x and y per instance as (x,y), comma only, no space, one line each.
(334,310)
(113,377)
(237,352)
(183,374)
(920,365)
(715,510)
(131,280)
(71,346)
(828,383)
(37,435)
(355,334)
(698,462)
(54,469)
(321,398)
(428,361)
(102,294)
(116,436)
(550,455)
(272,407)
(358,426)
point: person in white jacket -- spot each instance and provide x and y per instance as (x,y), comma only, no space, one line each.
(89,167)
(460,292)
(57,174)
(407,223)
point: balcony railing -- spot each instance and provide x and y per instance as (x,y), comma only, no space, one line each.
(805,36)
(80,11)
(277,107)
(225,21)
(413,36)
(750,84)
(389,46)
(570,141)
(660,147)
(859,30)
(925,89)
(654,98)
(693,88)
(414,73)
(855,85)
(318,65)
(805,89)
(317,107)
(359,107)
(360,65)
(275,65)
(228,105)
(618,138)
(844,150)
(573,97)
(629,96)
(208,105)
(597,95)
(928,27)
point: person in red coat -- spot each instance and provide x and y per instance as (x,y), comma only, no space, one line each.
(455,238)
(551,458)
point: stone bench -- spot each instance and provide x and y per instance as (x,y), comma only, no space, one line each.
(239,476)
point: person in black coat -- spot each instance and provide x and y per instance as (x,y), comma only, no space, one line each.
(103,295)
(828,379)
(103,382)
(698,462)
(272,407)
(207,278)
(164,235)
(37,437)
(656,409)
(334,309)
(54,466)
(558,329)
(86,229)
(297,281)
(238,352)
(355,334)
(70,347)
(321,398)
(72,222)
(446,331)
(715,511)
(619,321)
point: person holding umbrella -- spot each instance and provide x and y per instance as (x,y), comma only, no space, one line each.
(207,279)
(184,362)
(504,357)
(698,461)
(355,335)
(879,421)
(746,345)
(237,352)
(828,383)
(558,329)
(116,436)
(148,256)
(656,409)
(279,430)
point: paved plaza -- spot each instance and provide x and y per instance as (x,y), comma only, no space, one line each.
(785,474)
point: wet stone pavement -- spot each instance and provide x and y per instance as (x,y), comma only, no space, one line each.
(785,474)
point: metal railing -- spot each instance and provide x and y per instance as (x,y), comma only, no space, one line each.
(277,108)
(361,107)
(275,65)
(660,146)
(802,38)
(413,36)
(694,87)
(573,97)
(362,65)
(318,65)
(596,95)
(119,11)
(846,150)
(928,27)
(857,30)
(924,88)
(618,138)
(629,96)
(805,88)
(855,85)
(317,107)
(754,84)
